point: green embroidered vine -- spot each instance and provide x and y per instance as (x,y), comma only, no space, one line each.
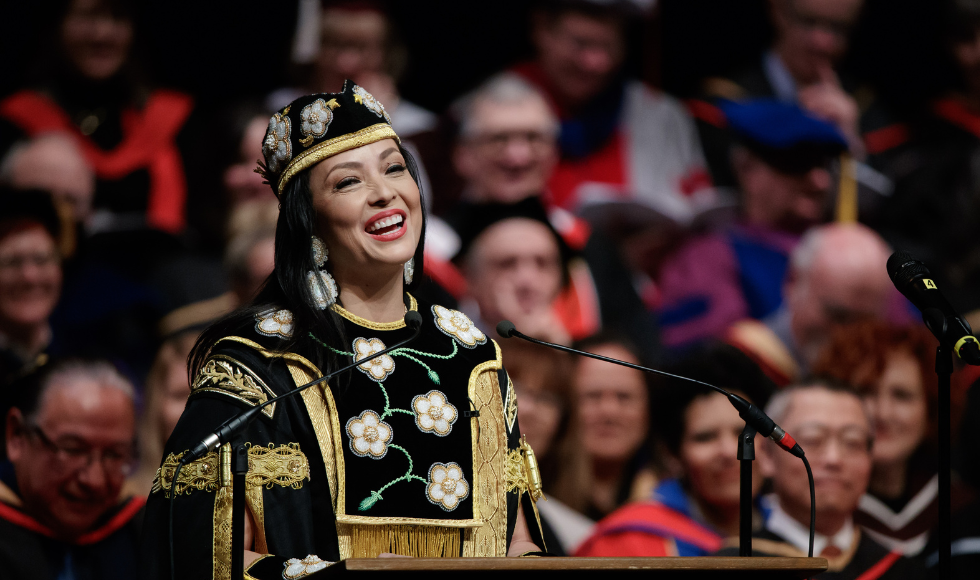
(375,496)
(388,410)
(433,375)
(325,345)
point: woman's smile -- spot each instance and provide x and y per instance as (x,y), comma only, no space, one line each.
(387,225)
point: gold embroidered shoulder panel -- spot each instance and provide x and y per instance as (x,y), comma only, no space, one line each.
(285,466)
(225,375)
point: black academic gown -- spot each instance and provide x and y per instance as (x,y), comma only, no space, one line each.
(359,468)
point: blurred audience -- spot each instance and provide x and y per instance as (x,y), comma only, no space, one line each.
(70,446)
(836,275)
(30,282)
(542,382)
(934,209)
(515,267)
(613,422)
(506,151)
(91,88)
(620,141)
(250,252)
(167,384)
(830,423)
(52,162)
(358,42)
(812,36)
(782,161)
(690,514)
(892,368)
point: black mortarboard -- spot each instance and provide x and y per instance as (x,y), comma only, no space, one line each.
(314,127)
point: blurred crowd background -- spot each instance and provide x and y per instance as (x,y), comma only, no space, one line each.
(709,186)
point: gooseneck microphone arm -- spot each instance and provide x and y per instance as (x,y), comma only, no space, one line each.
(751,414)
(747,411)
(237,424)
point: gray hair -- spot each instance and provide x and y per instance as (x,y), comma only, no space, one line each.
(504,89)
(65,373)
(779,404)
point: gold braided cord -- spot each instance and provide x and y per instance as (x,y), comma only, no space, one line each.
(285,465)
(331,147)
(413,305)
(201,474)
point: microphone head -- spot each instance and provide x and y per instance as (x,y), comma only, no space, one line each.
(505,328)
(413,319)
(902,267)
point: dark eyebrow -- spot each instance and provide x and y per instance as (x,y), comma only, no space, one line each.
(347,165)
(388,152)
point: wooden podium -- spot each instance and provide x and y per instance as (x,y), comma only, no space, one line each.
(537,568)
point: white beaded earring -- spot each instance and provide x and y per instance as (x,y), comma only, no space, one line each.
(322,285)
(409,270)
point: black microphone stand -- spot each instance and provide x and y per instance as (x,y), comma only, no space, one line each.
(746,454)
(935,321)
(232,428)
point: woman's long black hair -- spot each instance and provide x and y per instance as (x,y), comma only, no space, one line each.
(287,288)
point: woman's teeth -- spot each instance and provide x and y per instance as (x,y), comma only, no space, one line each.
(385,223)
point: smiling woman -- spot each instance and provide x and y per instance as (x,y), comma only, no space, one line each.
(391,459)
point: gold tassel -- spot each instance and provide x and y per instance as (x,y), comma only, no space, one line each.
(416,541)
(847,198)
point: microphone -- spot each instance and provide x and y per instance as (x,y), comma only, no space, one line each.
(749,413)
(913,280)
(235,425)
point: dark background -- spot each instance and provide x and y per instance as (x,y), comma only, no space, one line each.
(224,50)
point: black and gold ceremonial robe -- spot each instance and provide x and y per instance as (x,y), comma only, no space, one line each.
(416,452)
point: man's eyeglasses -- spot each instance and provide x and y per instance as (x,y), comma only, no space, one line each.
(76,456)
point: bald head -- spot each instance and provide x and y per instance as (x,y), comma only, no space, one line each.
(837,275)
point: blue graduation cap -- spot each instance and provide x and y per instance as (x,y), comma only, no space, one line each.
(783,134)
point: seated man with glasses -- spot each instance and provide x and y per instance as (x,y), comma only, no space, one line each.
(69,439)
(830,423)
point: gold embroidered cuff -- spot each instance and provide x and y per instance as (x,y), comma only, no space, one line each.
(199,474)
(285,465)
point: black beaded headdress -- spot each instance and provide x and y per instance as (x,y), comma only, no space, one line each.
(314,127)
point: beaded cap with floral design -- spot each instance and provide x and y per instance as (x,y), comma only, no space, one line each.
(314,127)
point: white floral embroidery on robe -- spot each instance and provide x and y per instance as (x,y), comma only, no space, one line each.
(459,326)
(433,413)
(447,487)
(377,368)
(296,568)
(275,323)
(369,435)
(276,147)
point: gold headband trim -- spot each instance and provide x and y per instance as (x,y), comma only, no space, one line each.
(331,147)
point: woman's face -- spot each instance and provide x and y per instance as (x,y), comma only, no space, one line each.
(898,409)
(369,211)
(708,451)
(612,406)
(95,41)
